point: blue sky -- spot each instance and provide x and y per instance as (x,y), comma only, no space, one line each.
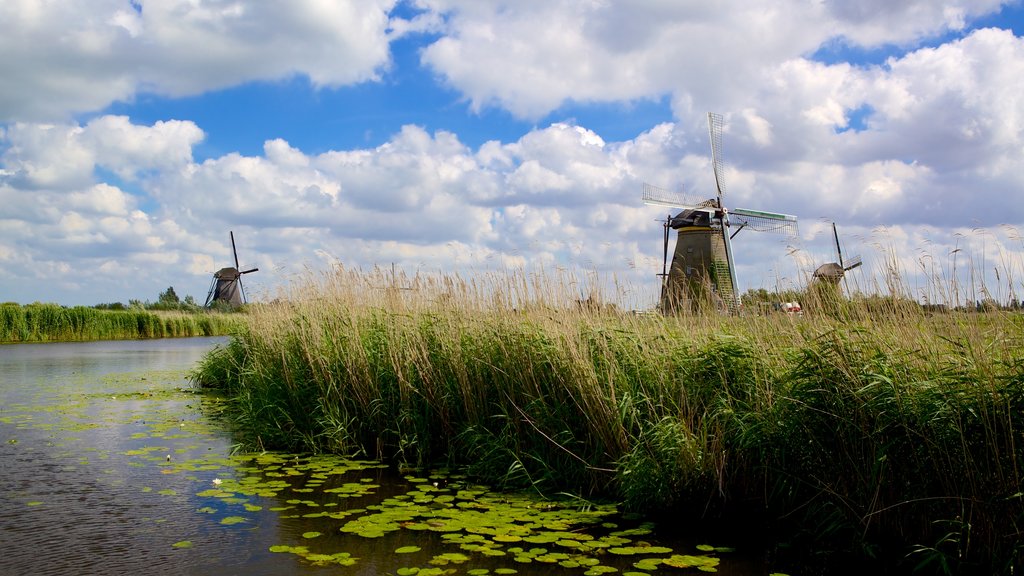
(241,118)
(466,136)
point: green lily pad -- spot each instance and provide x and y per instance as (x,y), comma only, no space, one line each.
(407,549)
(230,520)
(310,535)
(284,548)
(182,544)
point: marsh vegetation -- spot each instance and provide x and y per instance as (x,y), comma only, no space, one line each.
(54,323)
(114,465)
(862,431)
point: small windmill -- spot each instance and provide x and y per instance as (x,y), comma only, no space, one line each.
(702,264)
(833,272)
(227,283)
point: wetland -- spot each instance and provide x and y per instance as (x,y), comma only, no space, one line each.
(112,462)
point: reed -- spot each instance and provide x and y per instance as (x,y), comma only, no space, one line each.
(55,323)
(869,429)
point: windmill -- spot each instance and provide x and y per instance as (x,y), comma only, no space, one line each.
(227,283)
(703,268)
(833,272)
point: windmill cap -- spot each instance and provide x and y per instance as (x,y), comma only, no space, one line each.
(227,273)
(830,271)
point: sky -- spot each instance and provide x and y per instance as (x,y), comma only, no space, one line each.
(471,136)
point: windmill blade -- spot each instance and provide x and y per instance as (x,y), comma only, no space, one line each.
(715,123)
(852,262)
(233,251)
(249,270)
(656,196)
(762,221)
(839,249)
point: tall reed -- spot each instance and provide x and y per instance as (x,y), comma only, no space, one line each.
(55,323)
(847,430)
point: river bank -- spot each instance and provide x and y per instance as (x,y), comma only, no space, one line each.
(55,323)
(888,441)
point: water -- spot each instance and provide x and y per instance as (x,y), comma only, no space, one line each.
(110,463)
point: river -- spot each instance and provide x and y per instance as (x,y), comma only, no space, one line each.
(111,463)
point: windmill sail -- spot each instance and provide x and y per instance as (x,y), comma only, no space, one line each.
(763,221)
(715,123)
(656,196)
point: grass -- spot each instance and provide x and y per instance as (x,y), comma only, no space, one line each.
(55,323)
(860,430)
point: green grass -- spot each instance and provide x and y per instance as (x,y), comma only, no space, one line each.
(855,432)
(55,323)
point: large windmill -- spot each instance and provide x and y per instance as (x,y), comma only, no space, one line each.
(833,272)
(227,283)
(703,270)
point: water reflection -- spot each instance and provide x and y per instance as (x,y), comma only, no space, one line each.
(74,496)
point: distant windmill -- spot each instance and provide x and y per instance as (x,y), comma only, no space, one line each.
(227,283)
(703,260)
(833,272)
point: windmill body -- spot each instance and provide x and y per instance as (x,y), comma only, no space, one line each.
(226,287)
(700,271)
(703,271)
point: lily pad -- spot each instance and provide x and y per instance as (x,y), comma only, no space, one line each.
(407,549)
(284,548)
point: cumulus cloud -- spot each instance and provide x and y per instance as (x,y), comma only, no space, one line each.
(424,200)
(532,57)
(67,57)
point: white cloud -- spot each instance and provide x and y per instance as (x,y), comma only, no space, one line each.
(97,52)
(101,199)
(128,149)
(531,57)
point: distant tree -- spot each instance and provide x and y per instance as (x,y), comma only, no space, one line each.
(169,296)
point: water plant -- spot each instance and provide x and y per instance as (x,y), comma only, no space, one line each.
(851,431)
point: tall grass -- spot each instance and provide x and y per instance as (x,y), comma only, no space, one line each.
(54,323)
(847,431)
